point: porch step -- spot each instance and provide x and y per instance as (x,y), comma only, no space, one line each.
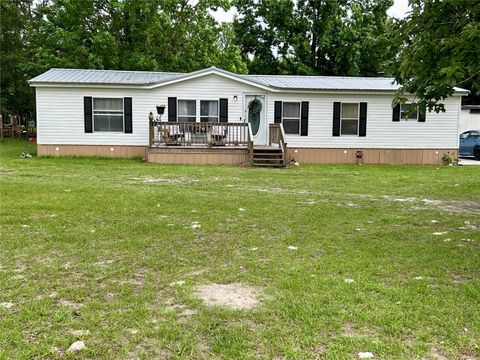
(269,165)
(268,157)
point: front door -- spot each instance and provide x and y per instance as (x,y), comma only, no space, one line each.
(255,110)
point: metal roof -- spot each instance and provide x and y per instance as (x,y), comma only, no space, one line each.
(150,78)
(324,82)
(107,77)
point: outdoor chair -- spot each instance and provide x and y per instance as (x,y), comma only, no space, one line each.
(218,135)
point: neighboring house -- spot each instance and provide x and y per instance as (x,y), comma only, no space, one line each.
(215,116)
(469,118)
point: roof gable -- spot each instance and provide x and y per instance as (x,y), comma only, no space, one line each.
(209,71)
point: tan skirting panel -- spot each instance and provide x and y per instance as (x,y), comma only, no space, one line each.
(370,156)
(122,151)
(240,156)
(198,156)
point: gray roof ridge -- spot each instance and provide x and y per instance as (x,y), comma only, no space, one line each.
(321,76)
(126,71)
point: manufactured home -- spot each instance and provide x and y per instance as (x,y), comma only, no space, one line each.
(217,117)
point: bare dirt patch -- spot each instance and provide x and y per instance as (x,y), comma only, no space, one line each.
(351,331)
(464,206)
(437,354)
(103,263)
(233,296)
(149,348)
(348,330)
(173,181)
(7,305)
(70,305)
(182,310)
(466,354)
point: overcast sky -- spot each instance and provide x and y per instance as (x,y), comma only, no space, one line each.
(398,10)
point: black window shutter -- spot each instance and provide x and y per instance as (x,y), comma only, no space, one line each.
(127,114)
(362,127)
(422,111)
(336,119)
(277,117)
(87,113)
(396,113)
(223,110)
(172,109)
(304,119)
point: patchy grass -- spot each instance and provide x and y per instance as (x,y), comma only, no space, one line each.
(346,259)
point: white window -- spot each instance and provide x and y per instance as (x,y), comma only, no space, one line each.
(406,114)
(349,119)
(107,114)
(291,118)
(209,110)
(187,110)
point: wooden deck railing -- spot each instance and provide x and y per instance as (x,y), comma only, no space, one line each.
(212,134)
(207,134)
(276,135)
(250,144)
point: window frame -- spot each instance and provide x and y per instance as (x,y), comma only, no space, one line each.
(402,112)
(114,113)
(187,116)
(358,118)
(293,118)
(209,116)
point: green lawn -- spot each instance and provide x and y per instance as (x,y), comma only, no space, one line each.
(95,244)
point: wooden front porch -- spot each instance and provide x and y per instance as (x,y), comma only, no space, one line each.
(214,143)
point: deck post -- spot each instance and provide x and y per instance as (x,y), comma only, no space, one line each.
(151,132)
(250,144)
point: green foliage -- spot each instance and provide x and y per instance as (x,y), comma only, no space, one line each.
(16,95)
(345,37)
(434,49)
(157,35)
(132,35)
(440,49)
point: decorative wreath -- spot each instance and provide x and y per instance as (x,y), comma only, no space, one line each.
(255,106)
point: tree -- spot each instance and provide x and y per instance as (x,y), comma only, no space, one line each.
(156,35)
(440,49)
(365,42)
(262,30)
(16,95)
(343,37)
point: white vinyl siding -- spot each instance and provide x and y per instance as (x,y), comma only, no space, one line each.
(60,116)
(439,131)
